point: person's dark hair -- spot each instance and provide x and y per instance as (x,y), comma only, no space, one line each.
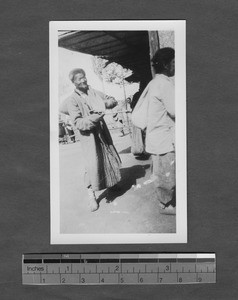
(162,58)
(74,72)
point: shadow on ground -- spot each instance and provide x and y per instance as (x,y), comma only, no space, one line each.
(125,151)
(129,177)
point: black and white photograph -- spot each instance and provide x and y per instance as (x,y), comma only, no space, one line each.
(118,132)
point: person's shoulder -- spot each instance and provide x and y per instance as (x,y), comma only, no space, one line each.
(161,78)
(70,100)
(72,97)
(155,83)
(161,81)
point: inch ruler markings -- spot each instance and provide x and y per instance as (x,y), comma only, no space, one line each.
(99,269)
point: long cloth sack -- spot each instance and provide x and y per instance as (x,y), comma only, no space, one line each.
(140,112)
(137,144)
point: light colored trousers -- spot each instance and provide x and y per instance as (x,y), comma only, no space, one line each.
(163,168)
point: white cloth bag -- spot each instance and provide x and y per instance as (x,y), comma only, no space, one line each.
(140,112)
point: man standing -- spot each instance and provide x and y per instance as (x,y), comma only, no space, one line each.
(86,108)
(160,137)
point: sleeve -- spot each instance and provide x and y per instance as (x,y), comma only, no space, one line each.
(169,99)
(80,122)
(109,101)
(164,92)
(101,94)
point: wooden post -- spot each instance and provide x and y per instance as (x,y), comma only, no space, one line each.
(154,46)
(127,119)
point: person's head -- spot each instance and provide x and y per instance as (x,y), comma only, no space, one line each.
(163,61)
(78,78)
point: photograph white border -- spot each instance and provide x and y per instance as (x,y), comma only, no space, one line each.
(179,27)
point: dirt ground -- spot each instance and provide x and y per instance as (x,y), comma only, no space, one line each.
(134,209)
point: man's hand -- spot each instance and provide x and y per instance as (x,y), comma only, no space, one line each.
(96,116)
(110,102)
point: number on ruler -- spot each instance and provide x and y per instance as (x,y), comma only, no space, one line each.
(116,269)
(102,280)
(160,279)
(122,280)
(199,279)
(180,279)
(82,280)
(62,280)
(141,280)
(167,268)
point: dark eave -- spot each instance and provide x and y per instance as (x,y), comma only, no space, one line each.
(127,48)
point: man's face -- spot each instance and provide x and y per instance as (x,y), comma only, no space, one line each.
(80,82)
(171,68)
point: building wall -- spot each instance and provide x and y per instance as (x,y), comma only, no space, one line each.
(166,38)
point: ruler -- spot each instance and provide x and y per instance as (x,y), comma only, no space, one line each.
(121,269)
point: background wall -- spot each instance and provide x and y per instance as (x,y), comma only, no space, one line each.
(166,39)
(211,135)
